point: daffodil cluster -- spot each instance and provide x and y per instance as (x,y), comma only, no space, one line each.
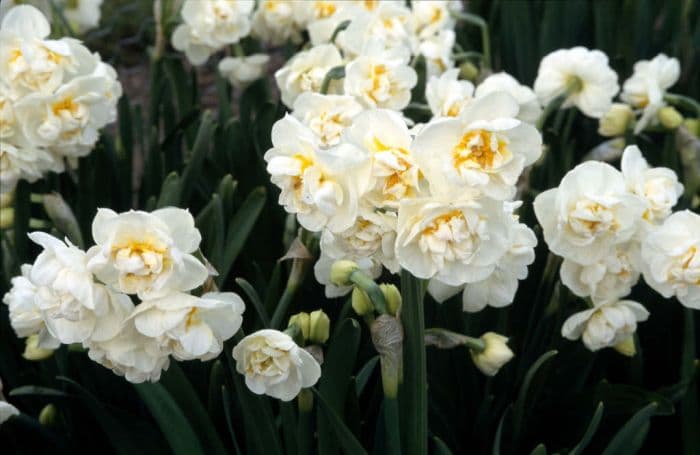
(611,227)
(127,299)
(55,96)
(435,199)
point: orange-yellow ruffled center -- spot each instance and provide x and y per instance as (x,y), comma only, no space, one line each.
(479,149)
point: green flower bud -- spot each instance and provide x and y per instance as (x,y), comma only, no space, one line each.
(616,120)
(670,118)
(392,296)
(319,325)
(301,320)
(341,271)
(47,416)
(33,352)
(468,71)
(361,302)
(693,126)
(7,217)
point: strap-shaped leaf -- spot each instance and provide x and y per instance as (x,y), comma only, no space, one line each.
(590,431)
(630,433)
(170,419)
(346,439)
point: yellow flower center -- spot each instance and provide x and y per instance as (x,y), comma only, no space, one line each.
(479,149)
(439,221)
(325,9)
(65,105)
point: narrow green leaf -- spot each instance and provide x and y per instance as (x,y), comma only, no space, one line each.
(35,390)
(170,419)
(625,399)
(118,434)
(226,401)
(364,374)
(690,414)
(63,218)
(347,441)
(539,450)
(335,379)
(200,148)
(413,395)
(240,227)
(170,192)
(499,431)
(519,406)
(255,300)
(590,431)
(620,443)
(180,389)
(210,221)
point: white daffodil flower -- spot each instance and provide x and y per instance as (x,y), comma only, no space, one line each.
(241,71)
(326,115)
(305,72)
(382,137)
(148,254)
(446,95)
(190,327)
(130,354)
(530,108)
(274,22)
(74,308)
(671,258)
(437,50)
(274,365)
(380,77)
(499,288)
(390,23)
(610,278)
(486,148)
(646,88)
(322,272)
(589,213)
(657,187)
(82,15)
(606,324)
(209,25)
(321,186)
(584,73)
(26,318)
(456,241)
(432,16)
(72,116)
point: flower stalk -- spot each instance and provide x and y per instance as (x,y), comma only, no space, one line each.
(477,21)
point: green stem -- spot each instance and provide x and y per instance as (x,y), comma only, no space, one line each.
(683,101)
(337,72)
(367,284)
(553,105)
(283,305)
(414,392)
(342,26)
(391,424)
(305,401)
(459,56)
(420,107)
(477,21)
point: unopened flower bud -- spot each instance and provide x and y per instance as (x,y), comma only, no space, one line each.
(496,353)
(616,120)
(6,199)
(7,217)
(341,271)
(468,71)
(693,126)
(670,118)
(301,321)
(47,416)
(361,302)
(392,296)
(33,352)
(319,325)
(626,347)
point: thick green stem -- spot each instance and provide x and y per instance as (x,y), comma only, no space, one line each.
(283,304)
(391,424)
(414,391)
(305,401)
